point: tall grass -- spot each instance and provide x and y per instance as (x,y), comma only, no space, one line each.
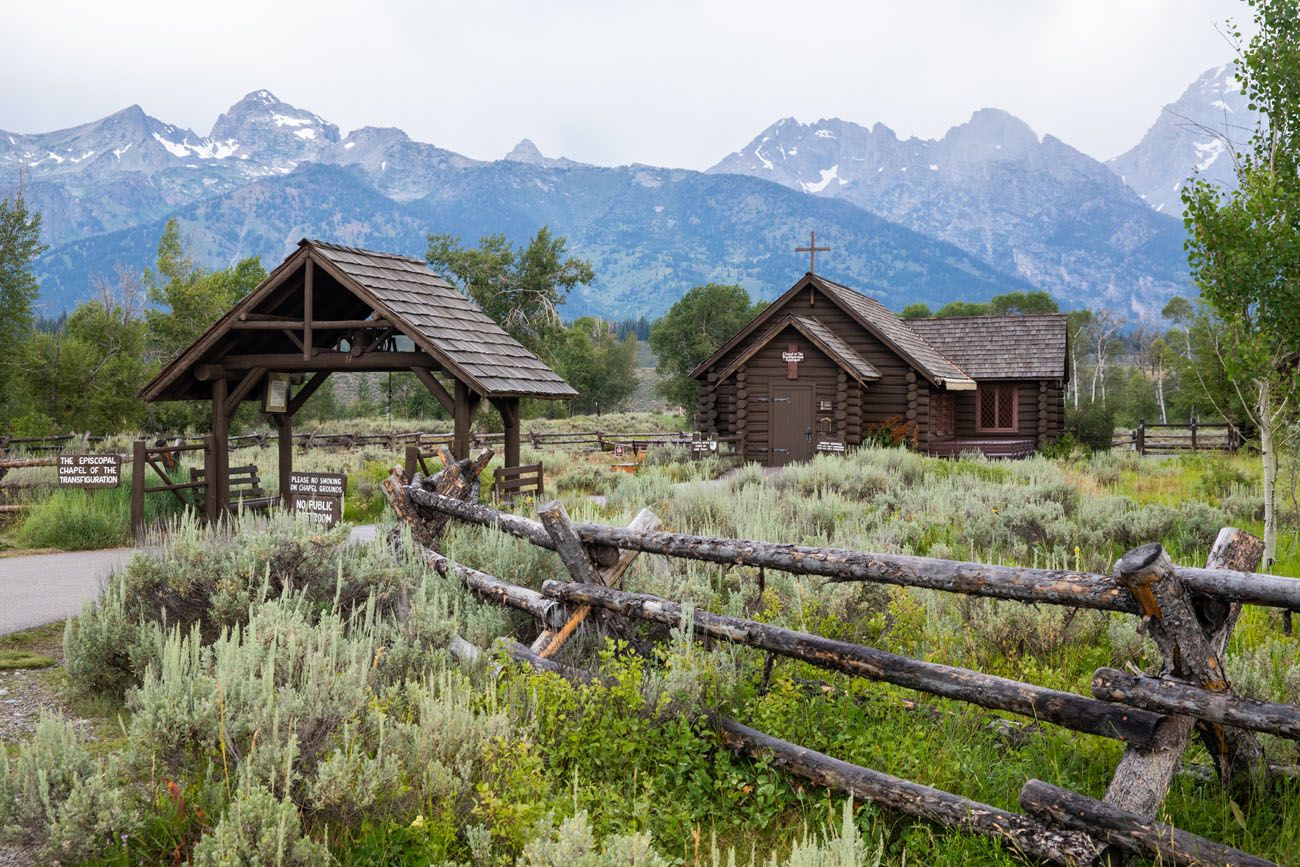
(76,520)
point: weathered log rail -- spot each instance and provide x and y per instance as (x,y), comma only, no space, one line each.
(594,440)
(1189,611)
(1192,436)
(1023,584)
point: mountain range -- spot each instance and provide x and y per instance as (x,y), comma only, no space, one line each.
(990,207)
(1199,131)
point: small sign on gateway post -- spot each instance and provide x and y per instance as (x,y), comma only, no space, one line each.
(319,496)
(90,471)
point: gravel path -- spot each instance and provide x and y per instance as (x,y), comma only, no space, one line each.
(39,588)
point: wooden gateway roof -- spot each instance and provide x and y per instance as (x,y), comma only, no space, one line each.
(364,285)
(1000,347)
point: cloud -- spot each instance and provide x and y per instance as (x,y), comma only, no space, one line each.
(669,83)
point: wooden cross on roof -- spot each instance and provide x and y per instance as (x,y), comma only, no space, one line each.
(812,250)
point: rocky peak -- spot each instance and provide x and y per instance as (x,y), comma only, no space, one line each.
(262,128)
(526,152)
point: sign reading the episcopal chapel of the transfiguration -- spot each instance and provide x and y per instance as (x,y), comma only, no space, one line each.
(90,471)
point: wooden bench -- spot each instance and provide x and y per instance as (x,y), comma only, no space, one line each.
(246,491)
(509,482)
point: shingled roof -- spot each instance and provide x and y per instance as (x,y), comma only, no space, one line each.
(440,321)
(444,322)
(952,353)
(821,336)
(1000,347)
(895,332)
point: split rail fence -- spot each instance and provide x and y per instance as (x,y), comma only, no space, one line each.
(1193,436)
(595,440)
(1190,612)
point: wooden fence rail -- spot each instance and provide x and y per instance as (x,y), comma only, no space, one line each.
(594,440)
(1190,612)
(1193,436)
(1024,584)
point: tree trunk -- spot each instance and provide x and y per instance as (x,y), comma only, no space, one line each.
(1268,452)
(1160,395)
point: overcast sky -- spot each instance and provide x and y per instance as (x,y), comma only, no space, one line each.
(667,83)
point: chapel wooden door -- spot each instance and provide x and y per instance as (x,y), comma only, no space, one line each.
(792,424)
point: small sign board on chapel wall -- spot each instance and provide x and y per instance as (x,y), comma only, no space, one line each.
(319,496)
(90,471)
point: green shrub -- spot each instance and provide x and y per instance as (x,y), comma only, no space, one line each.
(1092,425)
(56,799)
(586,479)
(212,577)
(1064,447)
(258,828)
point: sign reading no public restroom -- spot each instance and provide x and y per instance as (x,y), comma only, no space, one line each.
(319,496)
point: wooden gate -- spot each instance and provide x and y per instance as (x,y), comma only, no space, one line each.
(792,424)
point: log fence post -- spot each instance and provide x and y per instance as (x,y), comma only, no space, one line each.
(1140,438)
(1172,616)
(1193,426)
(412,461)
(211,498)
(137,487)
(549,642)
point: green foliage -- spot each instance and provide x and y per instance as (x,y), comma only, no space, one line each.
(1036,301)
(917,310)
(76,521)
(1244,248)
(187,299)
(1093,425)
(962,308)
(594,361)
(73,520)
(59,801)
(519,288)
(86,374)
(692,330)
(258,828)
(20,245)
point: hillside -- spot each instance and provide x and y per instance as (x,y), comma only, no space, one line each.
(650,233)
